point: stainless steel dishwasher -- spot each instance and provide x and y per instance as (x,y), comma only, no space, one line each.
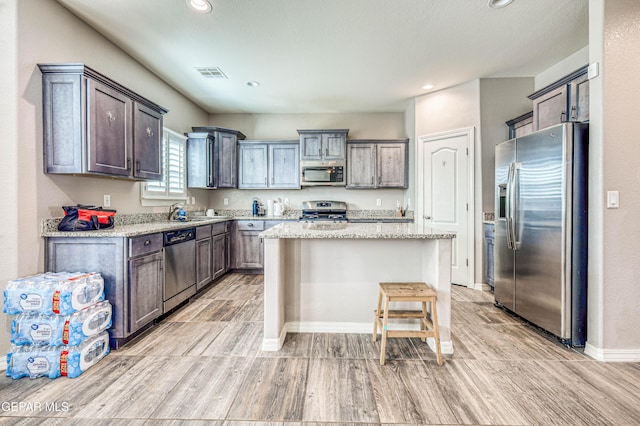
(180,267)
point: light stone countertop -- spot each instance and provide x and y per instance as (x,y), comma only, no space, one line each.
(332,230)
(136,229)
(132,225)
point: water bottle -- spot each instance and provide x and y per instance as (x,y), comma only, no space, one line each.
(255,207)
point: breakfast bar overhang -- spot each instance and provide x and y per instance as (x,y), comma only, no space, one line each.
(323,276)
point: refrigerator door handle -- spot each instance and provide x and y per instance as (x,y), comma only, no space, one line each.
(508,215)
(515,181)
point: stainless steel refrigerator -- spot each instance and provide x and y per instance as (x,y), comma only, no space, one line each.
(541,229)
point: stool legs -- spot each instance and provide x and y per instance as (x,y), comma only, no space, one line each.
(406,292)
(385,321)
(375,320)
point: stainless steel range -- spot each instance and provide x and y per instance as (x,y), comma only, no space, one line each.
(335,211)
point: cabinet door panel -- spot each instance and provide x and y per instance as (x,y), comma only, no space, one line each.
(63,124)
(361,166)
(391,166)
(550,109)
(109,130)
(200,161)
(248,250)
(580,99)
(204,270)
(253,166)
(311,146)
(227,147)
(284,166)
(146,279)
(333,146)
(147,143)
(227,251)
(218,255)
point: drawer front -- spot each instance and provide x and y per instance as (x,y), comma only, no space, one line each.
(145,244)
(203,232)
(250,225)
(218,228)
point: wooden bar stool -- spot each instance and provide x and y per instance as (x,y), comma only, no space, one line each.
(406,292)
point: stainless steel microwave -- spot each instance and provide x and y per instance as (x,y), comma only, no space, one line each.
(322,173)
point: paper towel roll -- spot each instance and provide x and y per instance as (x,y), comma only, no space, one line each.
(269,207)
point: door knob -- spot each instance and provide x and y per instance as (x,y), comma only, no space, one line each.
(428,217)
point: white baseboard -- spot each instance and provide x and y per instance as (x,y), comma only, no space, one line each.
(272,345)
(342,327)
(612,355)
(476,286)
(329,327)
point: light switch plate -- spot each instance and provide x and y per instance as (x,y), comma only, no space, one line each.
(106,202)
(592,71)
(225,201)
(613,199)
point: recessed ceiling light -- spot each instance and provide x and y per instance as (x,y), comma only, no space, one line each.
(428,86)
(253,83)
(200,6)
(497,4)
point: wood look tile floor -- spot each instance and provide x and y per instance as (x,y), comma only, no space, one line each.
(203,365)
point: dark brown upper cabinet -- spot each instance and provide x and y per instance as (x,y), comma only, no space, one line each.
(95,126)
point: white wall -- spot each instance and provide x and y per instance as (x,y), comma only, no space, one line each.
(9,159)
(619,87)
(47,33)
(450,109)
(569,64)
(501,99)
(284,127)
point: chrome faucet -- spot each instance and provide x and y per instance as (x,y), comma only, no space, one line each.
(174,209)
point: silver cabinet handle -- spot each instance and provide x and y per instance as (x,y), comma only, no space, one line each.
(428,217)
(249,224)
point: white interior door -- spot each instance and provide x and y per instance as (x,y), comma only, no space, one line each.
(445,197)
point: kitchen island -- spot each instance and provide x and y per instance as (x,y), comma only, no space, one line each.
(323,276)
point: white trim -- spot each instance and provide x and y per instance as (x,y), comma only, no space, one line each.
(612,355)
(348,327)
(469,132)
(272,345)
(329,327)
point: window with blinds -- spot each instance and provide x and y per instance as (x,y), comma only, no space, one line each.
(174,170)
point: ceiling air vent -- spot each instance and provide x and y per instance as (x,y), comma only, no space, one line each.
(211,72)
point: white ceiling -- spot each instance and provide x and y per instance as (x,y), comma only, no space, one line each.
(314,56)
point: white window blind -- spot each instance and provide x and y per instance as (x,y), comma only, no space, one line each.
(174,170)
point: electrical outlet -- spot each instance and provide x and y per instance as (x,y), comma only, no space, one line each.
(286,200)
(106,202)
(225,201)
(378,201)
(193,200)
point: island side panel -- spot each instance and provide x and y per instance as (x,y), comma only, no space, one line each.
(436,271)
(336,281)
(274,287)
(331,285)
